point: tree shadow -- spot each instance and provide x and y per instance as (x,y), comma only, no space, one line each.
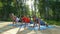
(6,28)
(27,31)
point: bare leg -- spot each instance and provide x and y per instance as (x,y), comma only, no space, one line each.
(34,25)
(46,25)
(25,24)
(13,22)
(39,26)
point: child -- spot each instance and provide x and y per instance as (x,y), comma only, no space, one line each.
(36,21)
(17,20)
(25,20)
(39,21)
(13,17)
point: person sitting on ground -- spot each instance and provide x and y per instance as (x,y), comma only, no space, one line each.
(25,19)
(18,20)
(36,21)
(14,18)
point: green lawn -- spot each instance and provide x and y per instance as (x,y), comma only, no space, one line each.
(52,22)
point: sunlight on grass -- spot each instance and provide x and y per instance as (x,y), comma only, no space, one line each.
(52,22)
(1,5)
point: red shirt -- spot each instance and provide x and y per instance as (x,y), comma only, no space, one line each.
(23,19)
(26,19)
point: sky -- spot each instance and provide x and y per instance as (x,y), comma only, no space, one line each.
(31,4)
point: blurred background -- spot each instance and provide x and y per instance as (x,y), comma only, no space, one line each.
(48,10)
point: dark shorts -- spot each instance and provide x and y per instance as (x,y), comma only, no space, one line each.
(42,22)
(19,21)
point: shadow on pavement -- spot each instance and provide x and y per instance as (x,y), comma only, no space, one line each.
(6,28)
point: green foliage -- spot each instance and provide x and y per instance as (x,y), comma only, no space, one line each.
(1,5)
(12,6)
(6,9)
(53,22)
(52,12)
(52,15)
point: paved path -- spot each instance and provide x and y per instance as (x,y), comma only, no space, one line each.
(5,29)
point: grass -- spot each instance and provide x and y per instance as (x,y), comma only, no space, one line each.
(1,5)
(52,22)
